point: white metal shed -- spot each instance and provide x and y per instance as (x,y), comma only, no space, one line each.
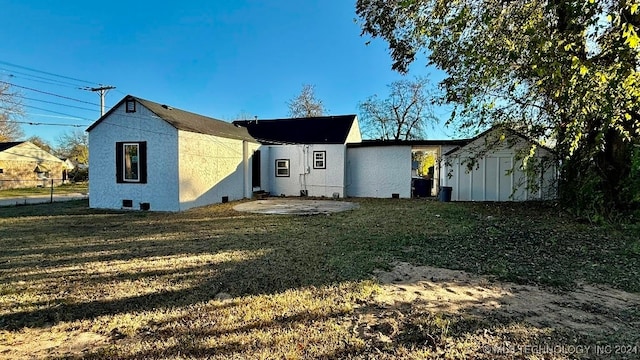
(491,167)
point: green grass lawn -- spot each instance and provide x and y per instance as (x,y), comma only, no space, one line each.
(61,189)
(215,283)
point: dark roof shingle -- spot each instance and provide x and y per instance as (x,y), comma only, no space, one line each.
(8,145)
(187,121)
(312,130)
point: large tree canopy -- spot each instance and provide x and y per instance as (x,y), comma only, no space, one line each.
(565,70)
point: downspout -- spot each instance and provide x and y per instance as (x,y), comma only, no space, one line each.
(245,169)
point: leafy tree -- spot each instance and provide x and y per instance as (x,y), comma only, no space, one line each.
(403,115)
(564,70)
(74,145)
(306,104)
(10,108)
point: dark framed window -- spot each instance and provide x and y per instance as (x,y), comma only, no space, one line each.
(282,168)
(319,159)
(131,162)
(130,106)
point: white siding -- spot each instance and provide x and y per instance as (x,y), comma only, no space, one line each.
(211,168)
(496,174)
(161,189)
(379,171)
(302,175)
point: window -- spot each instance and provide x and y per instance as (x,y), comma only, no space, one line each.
(131,162)
(282,167)
(42,172)
(1,171)
(130,106)
(319,159)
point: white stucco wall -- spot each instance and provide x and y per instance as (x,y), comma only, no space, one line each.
(212,167)
(497,174)
(161,189)
(379,171)
(302,175)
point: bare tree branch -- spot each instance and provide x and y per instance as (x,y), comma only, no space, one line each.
(306,104)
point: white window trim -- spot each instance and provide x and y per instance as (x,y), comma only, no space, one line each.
(124,162)
(285,167)
(322,159)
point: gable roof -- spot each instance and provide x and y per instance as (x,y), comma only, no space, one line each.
(310,130)
(185,120)
(8,145)
(504,128)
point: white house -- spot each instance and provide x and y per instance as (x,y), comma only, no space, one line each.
(492,167)
(304,156)
(144,155)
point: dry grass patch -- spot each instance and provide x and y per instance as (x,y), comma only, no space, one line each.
(393,279)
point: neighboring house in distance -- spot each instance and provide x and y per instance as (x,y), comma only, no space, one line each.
(489,167)
(24,165)
(144,155)
(304,156)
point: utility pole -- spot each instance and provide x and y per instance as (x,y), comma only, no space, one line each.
(102,91)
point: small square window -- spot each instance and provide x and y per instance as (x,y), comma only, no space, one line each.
(319,159)
(282,168)
(1,171)
(130,106)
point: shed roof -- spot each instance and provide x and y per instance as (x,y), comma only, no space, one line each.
(309,130)
(185,120)
(374,143)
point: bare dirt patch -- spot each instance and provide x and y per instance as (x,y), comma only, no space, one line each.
(54,343)
(524,311)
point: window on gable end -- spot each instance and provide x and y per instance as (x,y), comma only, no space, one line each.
(130,105)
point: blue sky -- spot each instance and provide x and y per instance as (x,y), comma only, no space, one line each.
(216,58)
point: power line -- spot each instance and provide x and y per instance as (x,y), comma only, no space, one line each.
(40,79)
(47,73)
(56,112)
(52,116)
(39,123)
(48,93)
(56,103)
(69,116)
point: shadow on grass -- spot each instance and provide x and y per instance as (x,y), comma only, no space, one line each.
(62,244)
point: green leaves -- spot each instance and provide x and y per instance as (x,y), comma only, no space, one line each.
(542,67)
